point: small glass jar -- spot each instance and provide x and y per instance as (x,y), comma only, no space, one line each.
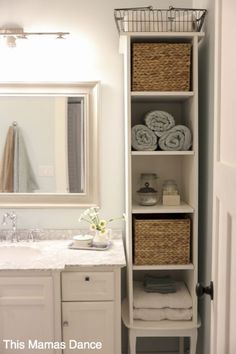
(147,195)
(170,193)
(170,187)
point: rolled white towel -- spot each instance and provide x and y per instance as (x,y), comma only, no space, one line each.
(159,121)
(178,138)
(143,138)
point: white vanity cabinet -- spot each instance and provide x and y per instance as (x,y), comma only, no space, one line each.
(91,318)
(62,296)
(26,312)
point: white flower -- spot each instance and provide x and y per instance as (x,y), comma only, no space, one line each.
(102,223)
(91,216)
(93,227)
(86,212)
(103,231)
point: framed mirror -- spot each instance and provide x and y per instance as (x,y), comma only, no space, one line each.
(49,144)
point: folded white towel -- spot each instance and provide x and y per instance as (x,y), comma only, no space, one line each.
(163,314)
(180,300)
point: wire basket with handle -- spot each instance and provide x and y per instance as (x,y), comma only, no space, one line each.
(148,19)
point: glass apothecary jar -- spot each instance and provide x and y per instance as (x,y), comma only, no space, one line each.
(150,178)
(148,193)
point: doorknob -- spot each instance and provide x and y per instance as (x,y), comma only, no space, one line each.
(209,290)
(65,324)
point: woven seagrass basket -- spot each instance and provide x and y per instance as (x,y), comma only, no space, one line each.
(161,241)
(161,66)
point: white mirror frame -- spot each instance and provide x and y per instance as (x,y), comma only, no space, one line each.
(91,92)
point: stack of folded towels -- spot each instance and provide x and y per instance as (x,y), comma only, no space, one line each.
(162,298)
(160,131)
(162,285)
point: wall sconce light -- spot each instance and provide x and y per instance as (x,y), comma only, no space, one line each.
(13,34)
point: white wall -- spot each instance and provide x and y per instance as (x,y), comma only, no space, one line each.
(206,121)
(90,53)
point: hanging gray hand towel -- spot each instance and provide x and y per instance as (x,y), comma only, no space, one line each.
(6,170)
(24,178)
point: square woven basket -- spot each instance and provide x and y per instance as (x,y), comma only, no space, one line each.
(161,241)
(161,66)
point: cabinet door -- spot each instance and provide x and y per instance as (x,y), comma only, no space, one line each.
(87,323)
(26,313)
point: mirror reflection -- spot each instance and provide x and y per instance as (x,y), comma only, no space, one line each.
(42,144)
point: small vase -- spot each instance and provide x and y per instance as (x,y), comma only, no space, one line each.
(101,240)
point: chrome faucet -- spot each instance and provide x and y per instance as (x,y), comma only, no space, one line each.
(13,218)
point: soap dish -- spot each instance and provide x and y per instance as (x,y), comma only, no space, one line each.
(72,246)
(82,240)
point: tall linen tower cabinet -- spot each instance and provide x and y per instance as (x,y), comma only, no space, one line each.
(182,166)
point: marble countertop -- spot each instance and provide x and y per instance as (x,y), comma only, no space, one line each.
(56,255)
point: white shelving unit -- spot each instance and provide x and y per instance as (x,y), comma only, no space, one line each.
(179,165)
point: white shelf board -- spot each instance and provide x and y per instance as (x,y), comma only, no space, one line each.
(157,325)
(149,36)
(171,35)
(164,267)
(162,153)
(159,208)
(152,96)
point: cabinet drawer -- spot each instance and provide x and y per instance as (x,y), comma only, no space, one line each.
(87,286)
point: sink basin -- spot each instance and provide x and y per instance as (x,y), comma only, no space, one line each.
(18,253)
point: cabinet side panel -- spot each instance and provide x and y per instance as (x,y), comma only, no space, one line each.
(128,200)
